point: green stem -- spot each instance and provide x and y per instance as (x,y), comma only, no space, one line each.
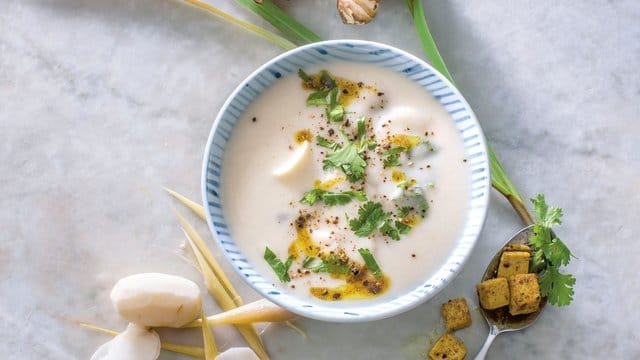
(266,34)
(499,178)
(282,21)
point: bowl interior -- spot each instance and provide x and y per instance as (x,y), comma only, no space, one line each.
(387,57)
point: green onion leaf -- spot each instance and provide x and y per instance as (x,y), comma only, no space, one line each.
(371,262)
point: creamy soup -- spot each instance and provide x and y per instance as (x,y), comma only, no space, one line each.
(345,185)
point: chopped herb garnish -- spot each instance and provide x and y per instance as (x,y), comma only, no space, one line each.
(332,264)
(335,111)
(370,217)
(303,75)
(281,269)
(416,199)
(325,93)
(430,147)
(404,211)
(371,262)
(332,198)
(550,253)
(388,229)
(392,157)
(403,228)
(348,160)
(324,142)
(318,98)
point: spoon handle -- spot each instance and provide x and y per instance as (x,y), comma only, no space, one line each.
(493,332)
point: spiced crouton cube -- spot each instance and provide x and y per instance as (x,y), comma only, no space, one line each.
(512,263)
(456,314)
(517,247)
(493,293)
(525,294)
(448,347)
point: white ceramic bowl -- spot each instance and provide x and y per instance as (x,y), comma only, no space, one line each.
(387,57)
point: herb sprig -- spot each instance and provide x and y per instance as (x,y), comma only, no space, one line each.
(350,158)
(550,253)
(331,198)
(372,217)
(326,93)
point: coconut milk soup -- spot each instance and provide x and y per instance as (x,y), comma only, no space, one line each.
(347,182)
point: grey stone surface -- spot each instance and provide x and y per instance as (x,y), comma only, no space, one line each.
(103,103)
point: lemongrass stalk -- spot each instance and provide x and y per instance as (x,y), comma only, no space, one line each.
(192,205)
(193,351)
(261,310)
(223,299)
(499,178)
(282,21)
(210,348)
(226,285)
(264,33)
(297,329)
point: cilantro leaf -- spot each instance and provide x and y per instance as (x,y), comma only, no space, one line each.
(392,157)
(537,262)
(363,143)
(335,111)
(324,142)
(387,228)
(347,159)
(403,228)
(318,98)
(331,198)
(312,196)
(281,269)
(370,217)
(404,211)
(371,262)
(326,80)
(303,75)
(557,252)
(550,253)
(557,287)
(541,235)
(546,216)
(332,264)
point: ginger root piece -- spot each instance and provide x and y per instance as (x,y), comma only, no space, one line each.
(357,12)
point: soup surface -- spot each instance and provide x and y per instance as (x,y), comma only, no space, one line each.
(347,182)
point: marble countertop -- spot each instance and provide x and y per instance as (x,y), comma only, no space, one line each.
(104,102)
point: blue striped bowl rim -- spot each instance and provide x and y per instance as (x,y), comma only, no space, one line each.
(356,51)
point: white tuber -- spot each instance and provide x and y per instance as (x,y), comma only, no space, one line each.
(295,164)
(237,353)
(153,299)
(135,343)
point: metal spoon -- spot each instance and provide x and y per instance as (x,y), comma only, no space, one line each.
(500,320)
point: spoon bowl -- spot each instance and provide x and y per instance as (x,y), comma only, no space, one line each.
(500,320)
